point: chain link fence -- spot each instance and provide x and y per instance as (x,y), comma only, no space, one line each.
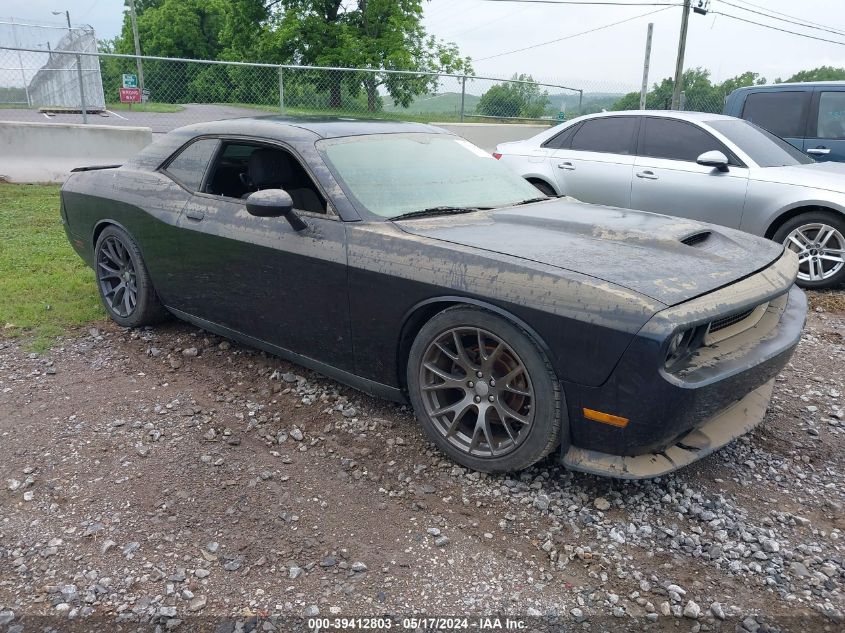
(168,92)
(63,73)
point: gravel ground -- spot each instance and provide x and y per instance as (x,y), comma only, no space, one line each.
(167,478)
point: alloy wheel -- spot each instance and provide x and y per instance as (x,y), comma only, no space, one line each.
(477,391)
(117,277)
(820,248)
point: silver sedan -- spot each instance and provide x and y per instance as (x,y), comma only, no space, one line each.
(708,167)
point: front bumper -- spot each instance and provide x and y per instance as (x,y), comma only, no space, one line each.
(736,420)
(677,418)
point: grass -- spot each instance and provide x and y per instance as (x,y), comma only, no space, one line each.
(168,108)
(45,287)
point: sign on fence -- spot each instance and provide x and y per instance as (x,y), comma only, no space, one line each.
(130,95)
(130,81)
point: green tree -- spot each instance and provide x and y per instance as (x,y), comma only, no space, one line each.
(822,73)
(381,34)
(519,98)
(699,93)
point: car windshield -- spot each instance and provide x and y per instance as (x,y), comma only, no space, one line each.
(764,148)
(397,174)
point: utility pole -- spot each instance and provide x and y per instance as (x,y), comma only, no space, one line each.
(679,64)
(133,18)
(644,88)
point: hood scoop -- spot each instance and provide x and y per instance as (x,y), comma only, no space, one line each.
(696,239)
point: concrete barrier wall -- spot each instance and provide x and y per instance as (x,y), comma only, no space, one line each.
(488,135)
(46,152)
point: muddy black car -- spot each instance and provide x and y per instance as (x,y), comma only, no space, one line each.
(406,262)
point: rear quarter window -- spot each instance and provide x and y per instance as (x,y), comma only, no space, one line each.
(783,113)
(188,166)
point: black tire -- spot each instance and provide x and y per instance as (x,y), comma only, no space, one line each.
(506,347)
(123,281)
(544,187)
(813,220)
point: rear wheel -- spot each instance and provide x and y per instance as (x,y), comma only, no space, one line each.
(123,281)
(483,391)
(818,238)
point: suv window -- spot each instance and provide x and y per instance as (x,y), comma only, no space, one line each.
(676,140)
(612,135)
(242,168)
(562,139)
(782,113)
(188,167)
(831,123)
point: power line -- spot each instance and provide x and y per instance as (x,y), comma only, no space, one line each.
(574,35)
(608,3)
(806,25)
(776,28)
(786,15)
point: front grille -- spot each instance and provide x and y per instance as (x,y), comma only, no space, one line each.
(721,324)
(696,238)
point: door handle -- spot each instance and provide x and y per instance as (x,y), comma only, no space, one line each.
(819,151)
(567,166)
(194,214)
(647,174)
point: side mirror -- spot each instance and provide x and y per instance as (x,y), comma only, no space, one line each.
(713,158)
(272,203)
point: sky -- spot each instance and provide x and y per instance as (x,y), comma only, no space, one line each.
(611,58)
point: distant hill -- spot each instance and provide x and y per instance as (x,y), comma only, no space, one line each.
(443,103)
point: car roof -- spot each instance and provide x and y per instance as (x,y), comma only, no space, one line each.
(682,115)
(322,126)
(792,85)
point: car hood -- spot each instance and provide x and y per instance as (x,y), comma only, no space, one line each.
(633,249)
(829,176)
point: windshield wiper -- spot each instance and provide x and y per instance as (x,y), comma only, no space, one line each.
(433,211)
(532,200)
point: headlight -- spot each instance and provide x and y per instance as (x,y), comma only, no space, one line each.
(682,344)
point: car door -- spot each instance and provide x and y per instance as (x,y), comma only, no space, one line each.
(784,113)
(594,163)
(667,178)
(826,132)
(259,277)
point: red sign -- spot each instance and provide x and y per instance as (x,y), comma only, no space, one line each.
(130,95)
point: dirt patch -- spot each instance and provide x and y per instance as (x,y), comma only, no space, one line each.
(167,477)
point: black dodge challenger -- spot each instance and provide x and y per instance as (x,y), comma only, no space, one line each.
(405,261)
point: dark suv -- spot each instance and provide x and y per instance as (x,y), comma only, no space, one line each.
(810,115)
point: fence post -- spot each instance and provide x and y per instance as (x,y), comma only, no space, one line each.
(463,95)
(580,102)
(81,89)
(281,88)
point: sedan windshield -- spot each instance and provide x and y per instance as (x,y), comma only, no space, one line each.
(399,174)
(764,148)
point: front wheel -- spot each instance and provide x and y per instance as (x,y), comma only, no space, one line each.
(123,281)
(483,392)
(819,240)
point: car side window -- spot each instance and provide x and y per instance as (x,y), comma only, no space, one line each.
(611,135)
(563,139)
(243,168)
(831,122)
(783,113)
(188,166)
(677,140)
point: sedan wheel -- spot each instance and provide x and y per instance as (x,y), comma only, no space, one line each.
(483,391)
(821,251)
